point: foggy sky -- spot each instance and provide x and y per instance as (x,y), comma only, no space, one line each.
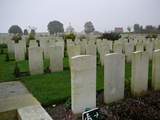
(105,14)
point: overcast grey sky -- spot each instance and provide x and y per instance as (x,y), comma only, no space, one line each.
(105,14)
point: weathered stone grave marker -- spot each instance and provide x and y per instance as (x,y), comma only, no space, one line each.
(114,74)
(36,60)
(83,82)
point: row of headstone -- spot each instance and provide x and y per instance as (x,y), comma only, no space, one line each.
(83,82)
(83,78)
(121,46)
(4,38)
(45,44)
(88,47)
(15,48)
(36,65)
(118,46)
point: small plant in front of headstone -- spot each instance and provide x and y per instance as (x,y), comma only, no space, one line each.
(31,36)
(38,43)
(1,49)
(71,36)
(16,70)
(7,57)
(47,70)
(67,104)
(26,55)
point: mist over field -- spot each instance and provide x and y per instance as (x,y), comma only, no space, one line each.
(105,14)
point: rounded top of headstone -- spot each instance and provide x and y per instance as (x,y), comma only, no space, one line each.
(83,62)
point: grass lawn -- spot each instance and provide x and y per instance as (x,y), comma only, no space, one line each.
(50,88)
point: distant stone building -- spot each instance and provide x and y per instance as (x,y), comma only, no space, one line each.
(69,29)
(118,29)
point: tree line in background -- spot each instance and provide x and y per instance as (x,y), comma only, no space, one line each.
(55,27)
(147,29)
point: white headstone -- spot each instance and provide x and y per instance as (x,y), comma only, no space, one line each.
(91,49)
(129,48)
(10,45)
(73,50)
(19,52)
(117,48)
(139,80)
(83,45)
(83,82)
(156,44)
(149,49)
(114,75)
(104,49)
(35,60)
(156,70)
(139,46)
(45,45)
(61,43)
(33,43)
(56,58)
(23,43)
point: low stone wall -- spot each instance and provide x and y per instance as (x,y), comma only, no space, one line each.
(16,103)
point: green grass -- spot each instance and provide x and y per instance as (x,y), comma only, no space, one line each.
(6,69)
(23,65)
(55,87)
(51,88)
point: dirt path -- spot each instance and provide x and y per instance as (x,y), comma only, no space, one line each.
(137,108)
